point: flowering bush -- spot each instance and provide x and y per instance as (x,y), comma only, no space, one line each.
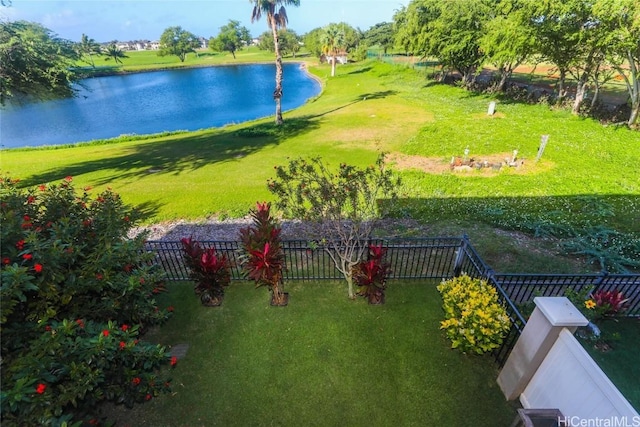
(597,305)
(371,275)
(609,302)
(264,257)
(209,270)
(474,319)
(75,295)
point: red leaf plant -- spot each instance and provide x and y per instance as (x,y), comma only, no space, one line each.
(609,303)
(371,275)
(264,257)
(209,270)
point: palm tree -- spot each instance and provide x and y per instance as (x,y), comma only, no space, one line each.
(113,51)
(333,40)
(276,18)
(89,47)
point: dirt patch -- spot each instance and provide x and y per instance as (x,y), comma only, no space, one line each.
(491,164)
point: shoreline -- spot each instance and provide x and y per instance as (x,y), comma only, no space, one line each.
(302,65)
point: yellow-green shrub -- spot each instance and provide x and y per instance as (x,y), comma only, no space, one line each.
(475,321)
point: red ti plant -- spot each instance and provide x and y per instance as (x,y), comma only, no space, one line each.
(210,271)
(263,252)
(371,275)
(609,303)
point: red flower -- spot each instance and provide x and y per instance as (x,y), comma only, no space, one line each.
(20,244)
(86,222)
(94,422)
(41,388)
(148,397)
(142,280)
(80,323)
(170,308)
(27,256)
(26,218)
(6,260)
(47,328)
(174,361)
(105,332)
(42,187)
(99,276)
(126,218)
(122,345)
(135,381)
(124,327)
(27,225)
(68,178)
(30,200)
(37,268)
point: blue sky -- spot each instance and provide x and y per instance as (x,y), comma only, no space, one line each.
(106,20)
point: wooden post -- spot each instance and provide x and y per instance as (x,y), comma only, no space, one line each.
(543,144)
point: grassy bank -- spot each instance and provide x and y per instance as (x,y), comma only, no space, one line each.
(587,175)
(147,60)
(322,360)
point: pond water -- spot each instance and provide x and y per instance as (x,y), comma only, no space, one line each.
(151,102)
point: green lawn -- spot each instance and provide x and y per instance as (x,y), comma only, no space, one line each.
(587,175)
(322,360)
(621,362)
(150,60)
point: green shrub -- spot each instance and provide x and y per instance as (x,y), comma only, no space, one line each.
(474,319)
(75,294)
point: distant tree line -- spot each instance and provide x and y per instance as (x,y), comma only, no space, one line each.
(590,41)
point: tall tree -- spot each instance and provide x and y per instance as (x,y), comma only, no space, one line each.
(449,31)
(381,35)
(556,24)
(313,42)
(35,62)
(231,38)
(112,51)
(507,42)
(333,43)
(289,42)
(179,42)
(87,48)
(276,14)
(622,21)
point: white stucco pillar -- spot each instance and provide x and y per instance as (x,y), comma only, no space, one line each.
(551,315)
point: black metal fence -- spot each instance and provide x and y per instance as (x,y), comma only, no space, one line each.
(426,258)
(422,258)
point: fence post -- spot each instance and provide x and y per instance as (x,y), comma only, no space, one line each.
(457,264)
(551,315)
(603,275)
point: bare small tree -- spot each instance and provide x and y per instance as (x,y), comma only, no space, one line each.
(344,204)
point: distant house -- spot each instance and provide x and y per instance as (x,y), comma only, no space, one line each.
(340,58)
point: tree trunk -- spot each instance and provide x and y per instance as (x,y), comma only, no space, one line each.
(504,77)
(596,94)
(277,93)
(634,90)
(635,114)
(561,91)
(333,66)
(580,92)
